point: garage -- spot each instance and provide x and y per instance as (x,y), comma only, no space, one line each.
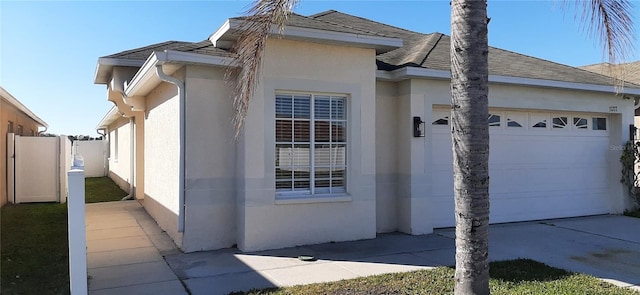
(543,164)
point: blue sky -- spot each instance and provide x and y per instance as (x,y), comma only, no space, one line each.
(49,49)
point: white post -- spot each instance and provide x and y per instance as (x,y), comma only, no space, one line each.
(77,234)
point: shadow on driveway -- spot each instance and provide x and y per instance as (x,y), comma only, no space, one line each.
(607,247)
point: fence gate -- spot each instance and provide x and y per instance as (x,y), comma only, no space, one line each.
(38,163)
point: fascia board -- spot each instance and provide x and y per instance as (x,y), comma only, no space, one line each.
(196,58)
(108,118)
(220,32)
(413,72)
(146,74)
(143,76)
(382,44)
(379,43)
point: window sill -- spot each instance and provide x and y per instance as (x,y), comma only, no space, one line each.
(284,200)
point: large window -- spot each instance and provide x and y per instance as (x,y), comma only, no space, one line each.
(311,142)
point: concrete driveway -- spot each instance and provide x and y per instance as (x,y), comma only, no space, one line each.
(607,247)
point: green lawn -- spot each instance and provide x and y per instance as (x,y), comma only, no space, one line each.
(507,277)
(34,249)
(34,255)
(633,213)
(102,189)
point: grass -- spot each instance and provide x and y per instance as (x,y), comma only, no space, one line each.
(635,213)
(520,276)
(34,253)
(102,189)
(34,249)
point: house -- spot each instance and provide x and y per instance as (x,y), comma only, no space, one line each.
(630,71)
(328,151)
(18,119)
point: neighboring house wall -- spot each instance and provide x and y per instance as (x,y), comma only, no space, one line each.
(120,153)
(9,113)
(266,221)
(162,157)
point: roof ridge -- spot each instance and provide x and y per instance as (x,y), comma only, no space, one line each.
(323,13)
(366,19)
(431,36)
(596,64)
(338,24)
(143,48)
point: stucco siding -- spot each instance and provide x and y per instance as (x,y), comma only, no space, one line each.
(387,102)
(162,158)
(267,220)
(120,153)
(210,162)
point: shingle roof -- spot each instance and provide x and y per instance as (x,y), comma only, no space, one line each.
(142,53)
(630,70)
(300,21)
(431,51)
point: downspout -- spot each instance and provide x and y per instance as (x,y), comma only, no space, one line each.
(181,174)
(105,162)
(132,192)
(102,135)
(43,131)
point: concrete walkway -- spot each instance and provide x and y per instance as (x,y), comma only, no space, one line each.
(126,249)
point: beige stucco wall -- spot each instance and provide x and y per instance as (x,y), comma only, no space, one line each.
(210,162)
(161,158)
(387,144)
(119,136)
(412,156)
(264,221)
(10,113)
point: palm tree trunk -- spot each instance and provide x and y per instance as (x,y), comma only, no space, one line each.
(470,137)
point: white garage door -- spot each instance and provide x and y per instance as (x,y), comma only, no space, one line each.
(542,165)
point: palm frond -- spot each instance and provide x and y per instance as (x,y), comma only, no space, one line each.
(262,16)
(610,22)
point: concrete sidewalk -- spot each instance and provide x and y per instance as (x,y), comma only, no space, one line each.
(126,249)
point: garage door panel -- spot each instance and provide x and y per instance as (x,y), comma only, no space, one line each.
(535,173)
(522,179)
(548,205)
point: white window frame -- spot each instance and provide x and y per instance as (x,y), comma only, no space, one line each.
(313,191)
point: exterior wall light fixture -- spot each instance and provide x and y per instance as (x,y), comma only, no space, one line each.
(418,127)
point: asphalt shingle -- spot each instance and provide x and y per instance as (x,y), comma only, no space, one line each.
(631,71)
(430,51)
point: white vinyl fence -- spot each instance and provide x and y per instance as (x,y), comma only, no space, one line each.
(36,170)
(94,153)
(77,233)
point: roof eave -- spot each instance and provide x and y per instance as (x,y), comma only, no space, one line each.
(416,72)
(105,66)
(230,30)
(17,104)
(111,116)
(146,79)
